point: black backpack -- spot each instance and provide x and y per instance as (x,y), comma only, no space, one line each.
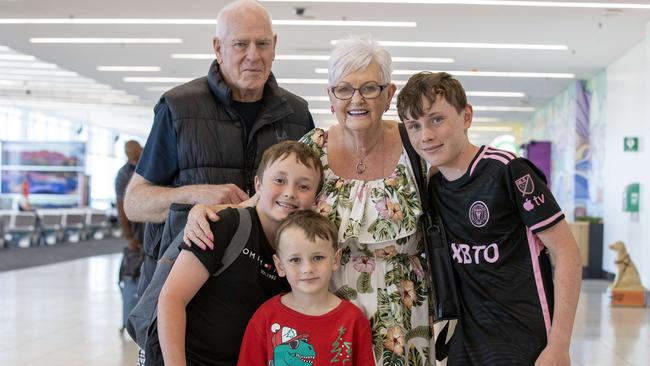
(142,322)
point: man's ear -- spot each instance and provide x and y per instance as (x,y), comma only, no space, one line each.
(278,266)
(216,45)
(275,42)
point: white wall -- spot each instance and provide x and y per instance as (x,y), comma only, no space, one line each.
(628,114)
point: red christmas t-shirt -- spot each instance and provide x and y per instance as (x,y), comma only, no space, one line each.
(277,335)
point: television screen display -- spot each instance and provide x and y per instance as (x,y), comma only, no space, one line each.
(37,153)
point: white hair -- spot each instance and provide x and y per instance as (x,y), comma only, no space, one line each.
(238,6)
(356,53)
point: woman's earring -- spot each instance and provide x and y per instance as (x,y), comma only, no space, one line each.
(332,109)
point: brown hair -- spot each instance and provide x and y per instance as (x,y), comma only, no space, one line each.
(429,85)
(312,224)
(303,153)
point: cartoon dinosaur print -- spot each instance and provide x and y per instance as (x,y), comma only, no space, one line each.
(294,353)
(290,348)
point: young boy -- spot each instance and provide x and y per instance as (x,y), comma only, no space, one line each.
(499,218)
(202,318)
(309,325)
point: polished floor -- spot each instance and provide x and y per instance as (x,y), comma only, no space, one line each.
(69,314)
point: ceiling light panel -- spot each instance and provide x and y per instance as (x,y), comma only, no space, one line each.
(209,56)
(106,40)
(502,109)
(36,72)
(193,56)
(129,68)
(495,94)
(547,4)
(508,46)
(502,74)
(162,21)
(17,58)
(27,65)
(139,79)
(344,23)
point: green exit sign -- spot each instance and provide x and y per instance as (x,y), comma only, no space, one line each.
(630,144)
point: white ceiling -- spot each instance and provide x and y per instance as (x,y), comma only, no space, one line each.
(595,38)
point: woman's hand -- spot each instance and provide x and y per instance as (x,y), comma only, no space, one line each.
(251,201)
(197,228)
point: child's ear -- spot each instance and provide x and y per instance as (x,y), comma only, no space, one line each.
(314,206)
(278,265)
(258,183)
(337,260)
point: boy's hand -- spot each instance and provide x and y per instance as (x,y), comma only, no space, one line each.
(554,356)
(197,229)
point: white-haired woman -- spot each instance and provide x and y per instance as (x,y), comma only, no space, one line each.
(370,193)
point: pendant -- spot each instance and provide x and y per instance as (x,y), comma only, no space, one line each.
(361,167)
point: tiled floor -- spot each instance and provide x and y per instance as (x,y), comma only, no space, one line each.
(69,314)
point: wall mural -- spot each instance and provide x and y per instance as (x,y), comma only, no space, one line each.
(582,150)
(556,122)
(597,87)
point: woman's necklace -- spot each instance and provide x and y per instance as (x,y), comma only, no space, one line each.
(361,166)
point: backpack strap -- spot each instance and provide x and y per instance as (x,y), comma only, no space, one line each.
(238,241)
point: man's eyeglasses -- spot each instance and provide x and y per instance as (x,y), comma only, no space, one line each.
(370,90)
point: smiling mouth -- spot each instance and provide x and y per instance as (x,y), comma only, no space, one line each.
(431,149)
(286,205)
(357,112)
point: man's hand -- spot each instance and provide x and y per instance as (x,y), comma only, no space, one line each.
(217,194)
(554,356)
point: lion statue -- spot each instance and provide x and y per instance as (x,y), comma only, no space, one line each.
(627,276)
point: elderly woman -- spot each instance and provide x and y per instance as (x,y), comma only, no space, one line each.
(370,193)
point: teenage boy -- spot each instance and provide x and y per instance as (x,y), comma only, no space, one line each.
(202,318)
(500,218)
(309,325)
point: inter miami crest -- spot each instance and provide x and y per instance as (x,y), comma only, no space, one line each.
(525,185)
(479,214)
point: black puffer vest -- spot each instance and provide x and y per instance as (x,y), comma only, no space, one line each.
(212,142)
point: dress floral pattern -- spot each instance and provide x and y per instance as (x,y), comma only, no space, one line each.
(381,267)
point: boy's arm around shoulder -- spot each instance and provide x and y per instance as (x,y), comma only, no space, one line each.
(187,276)
(567,277)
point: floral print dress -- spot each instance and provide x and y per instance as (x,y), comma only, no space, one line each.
(381,266)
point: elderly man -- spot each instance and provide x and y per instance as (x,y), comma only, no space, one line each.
(209,134)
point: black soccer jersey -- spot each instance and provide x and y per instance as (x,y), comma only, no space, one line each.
(491,215)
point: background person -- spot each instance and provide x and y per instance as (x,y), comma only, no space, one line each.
(133,232)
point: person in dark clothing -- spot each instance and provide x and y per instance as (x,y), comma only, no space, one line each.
(132,231)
